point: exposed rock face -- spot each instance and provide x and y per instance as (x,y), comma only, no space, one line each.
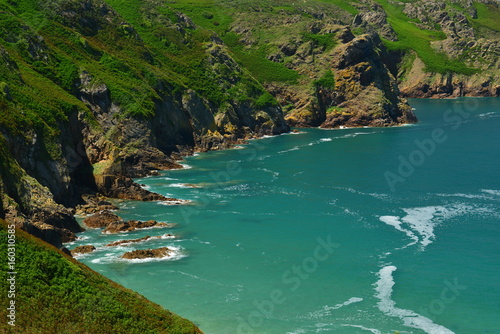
(102,134)
(366,93)
(125,188)
(375,21)
(102,219)
(148,253)
(465,41)
(146,238)
(131,225)
(82,250)
(94,204)
(419,83)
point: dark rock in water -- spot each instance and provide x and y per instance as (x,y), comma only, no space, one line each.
(93,204)
(82,250)
(131,225)
(148,253)
(125,188)
(102,219)
(146,238)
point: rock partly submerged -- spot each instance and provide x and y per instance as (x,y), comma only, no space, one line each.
(82,250)
(148,253)
(112,223)
(102,219)
(131,225)
(146,238)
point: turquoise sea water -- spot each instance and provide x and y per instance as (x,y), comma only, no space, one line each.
(331,231)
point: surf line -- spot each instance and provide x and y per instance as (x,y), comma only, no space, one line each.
(384,288)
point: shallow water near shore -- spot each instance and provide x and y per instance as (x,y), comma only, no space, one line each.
(367,230)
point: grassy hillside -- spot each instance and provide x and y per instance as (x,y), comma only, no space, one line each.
(222,17)
(57,294)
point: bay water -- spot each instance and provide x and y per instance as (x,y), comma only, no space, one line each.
(366,230)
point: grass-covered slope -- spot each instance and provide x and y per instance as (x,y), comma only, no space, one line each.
(56,294)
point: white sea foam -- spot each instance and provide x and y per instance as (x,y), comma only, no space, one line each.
(179,185)
(297,331)
(177,202)
(491,192)
(469,196)
(419,223)
(384,287)
(174,256)
(325,311)
(372,330)
(275,174)
(325,139)
(488,115)
(166,178)
(355,134)
(296,148)
(186,166)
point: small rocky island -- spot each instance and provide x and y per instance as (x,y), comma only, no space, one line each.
(148,253)
(112,223)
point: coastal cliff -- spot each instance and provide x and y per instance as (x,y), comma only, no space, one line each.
(94,93)
(88,104)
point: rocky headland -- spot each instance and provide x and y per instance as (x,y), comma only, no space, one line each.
(111,101)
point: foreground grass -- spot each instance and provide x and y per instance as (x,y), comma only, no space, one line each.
(57,294)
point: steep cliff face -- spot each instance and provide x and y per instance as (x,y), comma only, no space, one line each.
(87,104)
(433,48)
(471,39)
(365,92)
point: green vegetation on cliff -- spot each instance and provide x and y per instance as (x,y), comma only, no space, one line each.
(57,294)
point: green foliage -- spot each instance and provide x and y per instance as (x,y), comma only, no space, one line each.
(264,69)
(327,81)
(335,110)
(345,5)
(488,15)
(56,294)
(411,37)
(327,41)
(264,100)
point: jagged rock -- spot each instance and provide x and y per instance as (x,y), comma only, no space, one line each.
(49,233)
(94,204)
(82,250)
(131,225)
(102,219)
(148,253)
(366,93)
(146,238)
(125,188)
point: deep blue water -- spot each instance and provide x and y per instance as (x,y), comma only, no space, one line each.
(371,230)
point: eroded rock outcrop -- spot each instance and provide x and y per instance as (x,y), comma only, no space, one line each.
(82,250)
(148,253)
(146,238)
(131,225)
(102,219)
(365,93)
